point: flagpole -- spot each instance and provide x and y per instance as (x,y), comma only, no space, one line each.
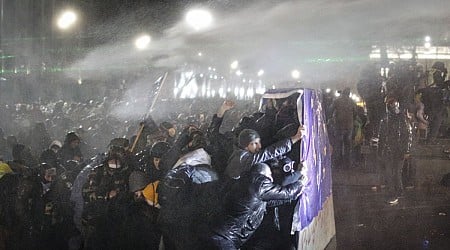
(163,80)
(142,125)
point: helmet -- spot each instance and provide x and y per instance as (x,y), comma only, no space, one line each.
(159,149)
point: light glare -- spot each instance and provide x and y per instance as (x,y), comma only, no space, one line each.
(234,65)
(199,19)
(142,42)
(67,19)
(295,74)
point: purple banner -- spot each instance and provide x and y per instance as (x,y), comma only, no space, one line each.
(315,154)
(316,159)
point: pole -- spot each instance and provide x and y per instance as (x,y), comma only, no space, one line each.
(157,95)
(142,125)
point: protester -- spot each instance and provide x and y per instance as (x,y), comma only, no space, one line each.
(343,110)
(251,151)
(395,139)
(245,205)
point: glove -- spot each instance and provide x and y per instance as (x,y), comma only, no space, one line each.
(304,180)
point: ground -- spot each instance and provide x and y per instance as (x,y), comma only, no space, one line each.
(364,220)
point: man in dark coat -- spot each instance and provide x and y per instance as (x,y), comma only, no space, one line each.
(188,167)
(395,139)
(139,223)
(343,110)
(245,205)
(251,152)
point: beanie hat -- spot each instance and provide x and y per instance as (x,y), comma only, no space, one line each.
(138,180)
(246,136)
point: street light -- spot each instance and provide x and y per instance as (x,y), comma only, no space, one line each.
(142,42)
(260,72)
(427,43)
(234,64)
(295,74)
(67,19)
(199,18)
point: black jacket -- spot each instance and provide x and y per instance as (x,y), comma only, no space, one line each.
(242,160)
(245,205)
(395,135)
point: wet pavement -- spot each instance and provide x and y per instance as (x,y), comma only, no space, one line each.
(364,220)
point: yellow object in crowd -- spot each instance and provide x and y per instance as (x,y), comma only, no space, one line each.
(150,193)
(4,169)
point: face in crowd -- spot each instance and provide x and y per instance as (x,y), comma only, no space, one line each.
(254,146)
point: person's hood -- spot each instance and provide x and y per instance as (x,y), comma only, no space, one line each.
(196,157)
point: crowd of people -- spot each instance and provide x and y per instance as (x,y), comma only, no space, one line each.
(402,110)
(183,182)
(194,179)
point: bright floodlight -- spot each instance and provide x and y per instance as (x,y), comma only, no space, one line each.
(427,45)
(260,72)
(239,73)
(427,39)
(295,74)
(142,42)
(199,19)
(67,19)
(234,65)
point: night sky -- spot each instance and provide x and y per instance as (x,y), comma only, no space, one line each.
(272,35)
